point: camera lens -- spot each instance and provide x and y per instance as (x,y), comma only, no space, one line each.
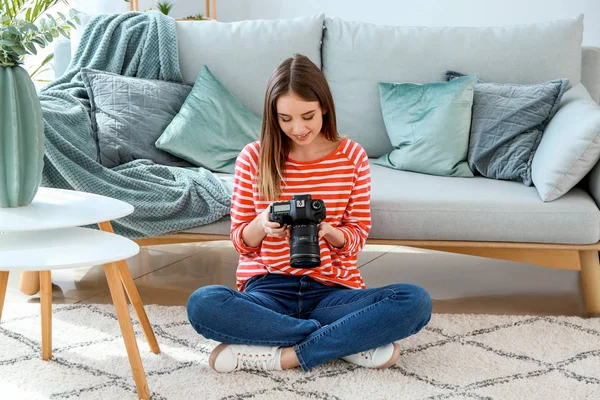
(305,251)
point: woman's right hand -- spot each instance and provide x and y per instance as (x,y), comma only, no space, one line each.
(272,228)
(255,232)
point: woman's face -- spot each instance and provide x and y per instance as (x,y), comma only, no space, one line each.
(300,120)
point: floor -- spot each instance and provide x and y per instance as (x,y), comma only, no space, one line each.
(168,274)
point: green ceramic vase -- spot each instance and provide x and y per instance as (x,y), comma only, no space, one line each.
(21,138)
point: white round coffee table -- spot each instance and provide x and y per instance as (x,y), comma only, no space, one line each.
(58,208)
(46,235)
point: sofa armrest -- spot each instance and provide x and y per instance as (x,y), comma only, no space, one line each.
(590,71)
(62,57)
(592,184)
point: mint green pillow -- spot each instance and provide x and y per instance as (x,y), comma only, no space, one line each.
(428,125)
(212,126)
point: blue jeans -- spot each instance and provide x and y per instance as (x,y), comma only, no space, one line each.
(321,322)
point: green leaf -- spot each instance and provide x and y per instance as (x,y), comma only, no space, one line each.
(62,31)
(48,58)
(51,21)
(38,70)
(31,27)
(31,48)
(66,27)
(20,50)
(14,30)
(39,41)
(37,11)
(48,36)
(61,15)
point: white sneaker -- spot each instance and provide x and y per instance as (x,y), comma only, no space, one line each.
(381,357)
(233,357)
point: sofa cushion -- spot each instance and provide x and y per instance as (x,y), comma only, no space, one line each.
(412,206)
(242,55)
(428,125)
(570,146)
(211,128)
(508,123)
(357,55)
(128,115)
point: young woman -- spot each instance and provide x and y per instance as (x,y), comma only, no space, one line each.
(284,317)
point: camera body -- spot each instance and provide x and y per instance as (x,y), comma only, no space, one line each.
(303,214)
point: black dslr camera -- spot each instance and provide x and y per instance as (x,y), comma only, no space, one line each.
(303,214)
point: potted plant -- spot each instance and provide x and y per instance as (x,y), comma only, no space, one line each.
(197,17)
(165,7)
(24,26)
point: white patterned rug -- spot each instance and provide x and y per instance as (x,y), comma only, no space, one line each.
(454,357)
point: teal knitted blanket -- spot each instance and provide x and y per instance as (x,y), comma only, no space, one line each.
(166,199)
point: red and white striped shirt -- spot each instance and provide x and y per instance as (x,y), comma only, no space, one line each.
(342,180)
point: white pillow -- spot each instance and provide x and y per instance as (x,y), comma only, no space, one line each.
(570,146)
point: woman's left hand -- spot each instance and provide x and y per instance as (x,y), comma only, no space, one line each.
(333,235)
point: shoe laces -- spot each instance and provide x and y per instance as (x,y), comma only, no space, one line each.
(367,354)
(254,361)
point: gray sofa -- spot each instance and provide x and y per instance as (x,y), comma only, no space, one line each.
(478,216)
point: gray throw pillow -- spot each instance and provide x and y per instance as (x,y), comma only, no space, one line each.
(129,114)
(507,125)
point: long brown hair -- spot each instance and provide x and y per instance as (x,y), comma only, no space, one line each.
(298,75)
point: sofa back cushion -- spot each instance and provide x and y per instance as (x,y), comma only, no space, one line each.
(590,65)
(242,55)
(356,56)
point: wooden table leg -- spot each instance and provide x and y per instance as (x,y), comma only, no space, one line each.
(3,283)
(136,302)
(134,297)
(133,352)
(46,306)
(30,282)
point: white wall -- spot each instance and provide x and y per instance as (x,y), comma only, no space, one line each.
(390,12)
(412,12)
(227,10)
